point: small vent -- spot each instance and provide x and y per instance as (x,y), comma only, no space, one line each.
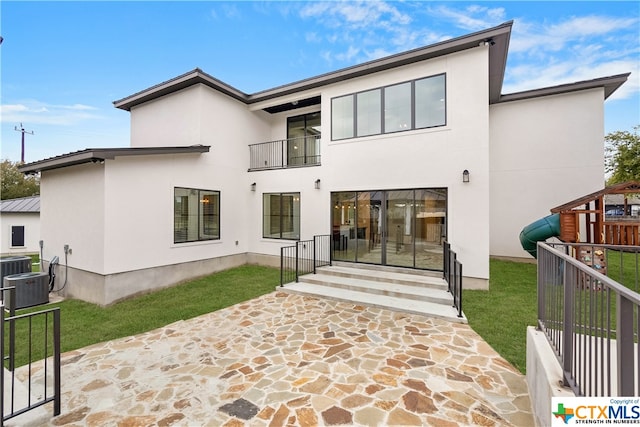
(31,289)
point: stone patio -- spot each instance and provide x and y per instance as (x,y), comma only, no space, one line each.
(285,359)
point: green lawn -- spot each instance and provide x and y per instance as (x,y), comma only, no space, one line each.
(501,316)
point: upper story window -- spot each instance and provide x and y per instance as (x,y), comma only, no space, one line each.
(196,215)
(303,143)
(416,104)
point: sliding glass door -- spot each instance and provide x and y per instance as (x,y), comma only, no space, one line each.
(403,228)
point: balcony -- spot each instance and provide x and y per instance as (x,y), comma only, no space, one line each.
(285,153)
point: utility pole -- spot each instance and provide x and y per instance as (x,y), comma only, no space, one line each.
(21,130)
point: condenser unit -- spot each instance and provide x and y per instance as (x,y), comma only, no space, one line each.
(14,265)
(31,289)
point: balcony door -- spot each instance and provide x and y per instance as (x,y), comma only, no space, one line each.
(403,228)
(303,145)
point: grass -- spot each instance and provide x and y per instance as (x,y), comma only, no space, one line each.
(83,323)
(502,315)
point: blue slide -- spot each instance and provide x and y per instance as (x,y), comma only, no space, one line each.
(538,231)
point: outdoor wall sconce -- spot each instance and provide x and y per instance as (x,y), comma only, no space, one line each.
(465,176)
(253,187)
(318,184)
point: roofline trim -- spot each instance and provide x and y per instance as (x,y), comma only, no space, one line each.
(99,155)
(435,50)
(610,85)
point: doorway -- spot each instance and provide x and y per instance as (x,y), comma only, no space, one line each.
(403,228)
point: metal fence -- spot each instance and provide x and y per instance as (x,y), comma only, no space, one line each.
(304,257)
(285,153)
(590,320)
(39,342)
(452,273)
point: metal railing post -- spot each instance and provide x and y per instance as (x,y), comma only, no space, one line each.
(281,267)
(314,254)
(624,344)
(2,397)
(567,322)
(57,379)
(297,261)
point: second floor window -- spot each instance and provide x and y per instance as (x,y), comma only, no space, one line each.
(416,104)
(302,135)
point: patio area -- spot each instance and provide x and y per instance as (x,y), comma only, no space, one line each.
(285,359)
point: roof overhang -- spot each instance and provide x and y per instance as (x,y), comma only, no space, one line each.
(621,188)
(610,85)
(99,155)
(497,38)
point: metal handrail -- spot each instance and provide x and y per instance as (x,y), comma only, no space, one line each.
(452,274)
(304,257)
(11,320)
(276,154)
(592,323)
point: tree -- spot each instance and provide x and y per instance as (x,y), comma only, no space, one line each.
(623,155)
(15,184)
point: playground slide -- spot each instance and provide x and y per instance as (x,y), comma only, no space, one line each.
(537,231)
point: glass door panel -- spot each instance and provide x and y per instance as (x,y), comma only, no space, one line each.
(343,219)
(431,227)
(369,227)
(400,225)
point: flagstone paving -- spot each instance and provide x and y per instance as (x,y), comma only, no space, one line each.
(284,359)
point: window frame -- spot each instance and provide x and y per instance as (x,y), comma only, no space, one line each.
(201,225)
(270,216)
(14,241)
(383,131)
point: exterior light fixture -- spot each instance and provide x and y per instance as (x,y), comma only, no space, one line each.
(253,187)
(317,184)
(465,176)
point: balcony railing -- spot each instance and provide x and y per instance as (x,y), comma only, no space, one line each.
(285,153)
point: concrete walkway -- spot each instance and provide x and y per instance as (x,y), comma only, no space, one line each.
(285,359)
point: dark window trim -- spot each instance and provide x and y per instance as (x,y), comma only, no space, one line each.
(217,214)
(15,243)
(294,193)
(382,127)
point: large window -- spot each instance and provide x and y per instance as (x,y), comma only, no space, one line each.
(196,215)
(281,216)
(416,104)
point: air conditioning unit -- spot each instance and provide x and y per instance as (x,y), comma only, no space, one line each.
(14,265)
(31,289)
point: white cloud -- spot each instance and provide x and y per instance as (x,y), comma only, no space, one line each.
(471,18)
(37,112)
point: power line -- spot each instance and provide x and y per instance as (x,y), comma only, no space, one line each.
(21,130)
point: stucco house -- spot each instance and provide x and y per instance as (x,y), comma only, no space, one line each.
(20,225)
(390,158)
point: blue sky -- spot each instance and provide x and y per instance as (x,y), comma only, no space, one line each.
(64,63)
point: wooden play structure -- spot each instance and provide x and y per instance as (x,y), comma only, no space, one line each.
(584,220)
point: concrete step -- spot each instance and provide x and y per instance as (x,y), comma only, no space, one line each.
(435,293)
(425,308)
(386,276)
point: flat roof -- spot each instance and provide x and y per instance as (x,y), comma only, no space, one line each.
(21,205)
(497,38)
(99,155)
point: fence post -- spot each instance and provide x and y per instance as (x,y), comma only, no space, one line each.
(297,260)
(314,254)
(57,399)
(567,322)
(624,343)
(281,267)
(2,370)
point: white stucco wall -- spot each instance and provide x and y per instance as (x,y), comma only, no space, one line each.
(544,152)
(31,223)
(72,212)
